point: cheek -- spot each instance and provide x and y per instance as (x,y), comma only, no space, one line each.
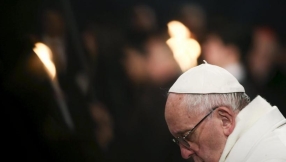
(214,135)
(215,144)
(211,142)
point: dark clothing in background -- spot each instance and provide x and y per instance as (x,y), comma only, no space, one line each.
(273,88)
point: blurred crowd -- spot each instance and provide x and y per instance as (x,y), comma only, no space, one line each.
(115,79)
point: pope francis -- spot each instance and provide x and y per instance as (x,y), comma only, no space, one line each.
(213,120)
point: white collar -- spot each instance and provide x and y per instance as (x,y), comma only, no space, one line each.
(246,119)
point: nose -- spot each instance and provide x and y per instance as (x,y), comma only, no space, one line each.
(186,153)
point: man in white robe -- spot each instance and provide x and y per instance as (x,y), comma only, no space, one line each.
(212,119)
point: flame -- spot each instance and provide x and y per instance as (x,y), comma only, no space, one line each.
(185,49)
(177,30)
(45,55)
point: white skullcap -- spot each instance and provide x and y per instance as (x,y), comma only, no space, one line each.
(206,78)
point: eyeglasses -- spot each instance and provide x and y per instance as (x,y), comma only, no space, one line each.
(182,140)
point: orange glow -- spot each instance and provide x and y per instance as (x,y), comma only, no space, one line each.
(185,49)
(45,55)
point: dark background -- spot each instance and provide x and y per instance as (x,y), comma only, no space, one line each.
(22,15)
(21,18)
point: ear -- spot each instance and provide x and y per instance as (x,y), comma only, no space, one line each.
(227,119)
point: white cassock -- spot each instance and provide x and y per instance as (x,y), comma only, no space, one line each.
(259,135)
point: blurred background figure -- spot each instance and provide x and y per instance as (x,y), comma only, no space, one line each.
(103,45)
(161,64)
(262,59)
(150,69)
(70,69)
(143,19)
(104,131)
(226,45)
(131,74)
(264,66)
(194,16)
(37,121)
(54,35)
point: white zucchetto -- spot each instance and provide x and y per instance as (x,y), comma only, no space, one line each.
(205,79)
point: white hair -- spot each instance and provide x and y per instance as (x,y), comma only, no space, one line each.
(199,103)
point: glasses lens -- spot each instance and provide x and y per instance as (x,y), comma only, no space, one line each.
(181,141)
(184,142)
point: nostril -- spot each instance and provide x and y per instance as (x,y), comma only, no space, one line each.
(186,153)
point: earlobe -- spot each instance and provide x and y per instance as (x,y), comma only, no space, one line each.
(227,118)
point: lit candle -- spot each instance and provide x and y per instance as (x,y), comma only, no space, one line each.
(45,55)
(185,49)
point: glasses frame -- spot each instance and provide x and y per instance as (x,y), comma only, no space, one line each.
(182,140)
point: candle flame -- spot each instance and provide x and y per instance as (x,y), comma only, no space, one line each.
(45,55)
(185,49)
(177,30)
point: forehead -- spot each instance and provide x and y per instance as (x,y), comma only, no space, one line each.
(175,102)
(178,117)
